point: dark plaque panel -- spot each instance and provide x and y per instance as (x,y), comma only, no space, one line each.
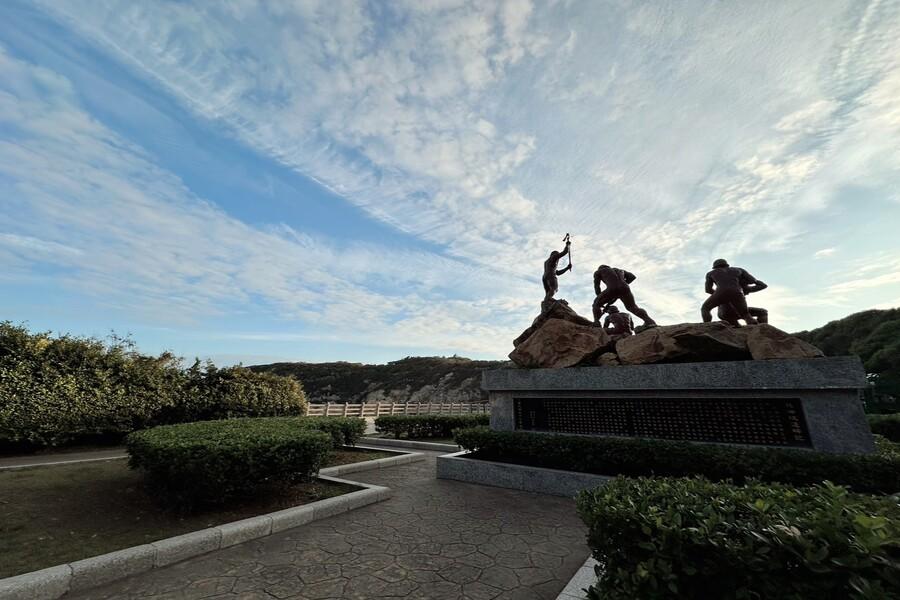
(760,421)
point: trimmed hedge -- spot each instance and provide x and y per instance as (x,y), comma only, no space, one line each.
(634,457)
(886,425)
(344,431)
(691,538)
(59,390)
(427,426)
(210,393)
(212,462)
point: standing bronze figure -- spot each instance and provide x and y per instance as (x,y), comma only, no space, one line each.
(551,283)
(728,313)
(617,323)
(725,285)
(617,288)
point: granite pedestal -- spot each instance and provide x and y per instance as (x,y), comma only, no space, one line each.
(797,403)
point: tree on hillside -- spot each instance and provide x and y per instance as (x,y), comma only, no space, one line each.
(874,336)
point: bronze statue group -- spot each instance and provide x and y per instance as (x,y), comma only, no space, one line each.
(727,287)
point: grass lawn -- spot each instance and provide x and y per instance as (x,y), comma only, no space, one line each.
(58,514)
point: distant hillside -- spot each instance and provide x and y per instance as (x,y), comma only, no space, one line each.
(873,335)
(413,379)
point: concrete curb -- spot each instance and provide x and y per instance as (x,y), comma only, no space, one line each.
(412,444)
(61,462)
(402,458)
(55,582)
(583,578)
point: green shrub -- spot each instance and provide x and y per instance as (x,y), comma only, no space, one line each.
(427,426)
(212,393)
(624,456)
(344,431)
(886,425)
(212,462)
(690,538)
(886,448)
(55,391)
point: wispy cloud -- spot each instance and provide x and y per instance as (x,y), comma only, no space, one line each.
(659,135)
(143,242)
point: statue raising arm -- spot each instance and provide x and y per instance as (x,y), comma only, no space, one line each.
(562,254)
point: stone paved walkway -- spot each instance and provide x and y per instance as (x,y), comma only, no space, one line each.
(434,539)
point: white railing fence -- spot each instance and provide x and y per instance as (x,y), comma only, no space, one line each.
(376,409)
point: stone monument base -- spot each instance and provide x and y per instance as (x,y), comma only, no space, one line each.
(795,403)
(459,467)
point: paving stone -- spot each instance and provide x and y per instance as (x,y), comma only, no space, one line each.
(476,559)
(325,589)
(373,562)
(500,577)
(532,576)
(287,588)
(392,573)
(457,550)
(317,573)
(444,590)
(423,562)
(209,587)
(460,573)
(433,539)
(480,591)
(427,548)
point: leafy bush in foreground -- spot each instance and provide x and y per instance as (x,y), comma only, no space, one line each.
(886,425)
(427,426)
(691,538)
(57,390)
(211,462)
(634,457)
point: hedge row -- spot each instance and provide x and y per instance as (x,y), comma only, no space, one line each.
(190,465)
(344,431)
(427,426)
(691,538)
(55,391)
(886,425)
(635,457)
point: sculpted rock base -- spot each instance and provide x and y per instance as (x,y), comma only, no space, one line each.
(765,342)
(553,309)
(687,342)
(559,343)
(559,337)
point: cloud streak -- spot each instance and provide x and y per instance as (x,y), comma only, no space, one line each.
(661,136)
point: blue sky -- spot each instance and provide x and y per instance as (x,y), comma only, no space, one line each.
(256,181)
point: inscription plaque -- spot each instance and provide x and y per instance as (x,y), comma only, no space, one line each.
(757,421)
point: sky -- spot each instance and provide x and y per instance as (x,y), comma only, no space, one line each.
(254,181)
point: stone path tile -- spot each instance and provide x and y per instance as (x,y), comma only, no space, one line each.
(434,539)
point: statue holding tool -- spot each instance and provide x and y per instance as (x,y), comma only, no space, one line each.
(551,283)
